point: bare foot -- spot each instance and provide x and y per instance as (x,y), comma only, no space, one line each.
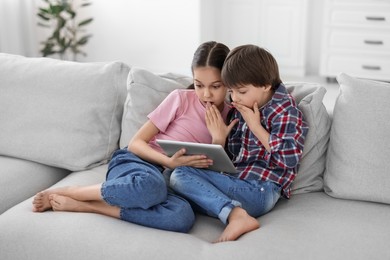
(63,203)
(239,223)
(41,201)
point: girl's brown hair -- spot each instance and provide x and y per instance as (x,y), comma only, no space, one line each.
(209,54)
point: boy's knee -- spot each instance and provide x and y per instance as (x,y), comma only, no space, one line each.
(177,175)
(174,181)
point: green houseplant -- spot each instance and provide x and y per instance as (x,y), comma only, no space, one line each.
(68,34)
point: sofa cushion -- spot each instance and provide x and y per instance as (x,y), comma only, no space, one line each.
(60,113)
(21,179)
(358,155)
(308,226)
(308,97)
(146,91)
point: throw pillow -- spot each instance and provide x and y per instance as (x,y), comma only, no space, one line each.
(308,97)
(145,91)
(60,113)
(357,164)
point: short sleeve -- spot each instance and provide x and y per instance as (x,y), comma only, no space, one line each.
(167,111)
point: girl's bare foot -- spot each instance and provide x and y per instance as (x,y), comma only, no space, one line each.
(63,203)
(41,201)
(239,223)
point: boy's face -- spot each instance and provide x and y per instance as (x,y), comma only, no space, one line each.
(247,95)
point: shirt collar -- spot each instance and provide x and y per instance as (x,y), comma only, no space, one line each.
(279,95)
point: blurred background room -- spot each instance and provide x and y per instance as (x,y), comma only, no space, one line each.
(311,40)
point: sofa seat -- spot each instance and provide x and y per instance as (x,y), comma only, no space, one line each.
(21,179)
(307,224)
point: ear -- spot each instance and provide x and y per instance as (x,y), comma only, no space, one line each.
(267,88)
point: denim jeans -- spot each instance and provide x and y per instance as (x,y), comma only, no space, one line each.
(139,189)
(216,194)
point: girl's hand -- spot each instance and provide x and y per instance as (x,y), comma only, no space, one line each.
(217,127)
(197,161)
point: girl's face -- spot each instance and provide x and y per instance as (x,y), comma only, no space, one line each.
(247,95)
(209,87)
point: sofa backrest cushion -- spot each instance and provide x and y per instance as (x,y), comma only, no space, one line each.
(308,97)
(358,155)
(60,113)
(146,90)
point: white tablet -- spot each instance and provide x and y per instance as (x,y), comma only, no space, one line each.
(221,161)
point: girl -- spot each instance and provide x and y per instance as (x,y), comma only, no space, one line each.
(135,189)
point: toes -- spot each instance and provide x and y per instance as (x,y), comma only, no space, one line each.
(37,197)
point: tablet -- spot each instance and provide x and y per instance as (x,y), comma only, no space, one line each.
(221,161)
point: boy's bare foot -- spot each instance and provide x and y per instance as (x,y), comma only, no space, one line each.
(239,223)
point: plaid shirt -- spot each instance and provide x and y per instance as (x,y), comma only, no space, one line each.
(284,121)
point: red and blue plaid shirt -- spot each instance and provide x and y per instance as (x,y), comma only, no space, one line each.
(284,121)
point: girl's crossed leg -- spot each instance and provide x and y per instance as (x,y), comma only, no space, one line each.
(42,200)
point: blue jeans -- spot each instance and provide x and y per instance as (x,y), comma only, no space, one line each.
(216,194)
(139,189)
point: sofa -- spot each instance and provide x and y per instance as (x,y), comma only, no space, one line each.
(61,121)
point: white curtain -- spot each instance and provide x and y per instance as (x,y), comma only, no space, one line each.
(18,27)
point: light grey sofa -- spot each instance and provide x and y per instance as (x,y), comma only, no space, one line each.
(60,122)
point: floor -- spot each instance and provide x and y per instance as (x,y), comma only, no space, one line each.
(332,87)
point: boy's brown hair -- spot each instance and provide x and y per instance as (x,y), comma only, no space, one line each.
(250,64)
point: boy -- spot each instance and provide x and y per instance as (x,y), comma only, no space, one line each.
(265,144)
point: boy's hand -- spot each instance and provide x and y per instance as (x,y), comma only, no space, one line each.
(252,119)
(251,116)
(217,127)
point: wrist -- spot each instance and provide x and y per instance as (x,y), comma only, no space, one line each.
(218,141)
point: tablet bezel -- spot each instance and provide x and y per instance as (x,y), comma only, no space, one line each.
(221,161)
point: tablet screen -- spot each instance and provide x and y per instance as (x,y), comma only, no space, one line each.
(221,161)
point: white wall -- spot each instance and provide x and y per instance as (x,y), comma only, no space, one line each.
(16,34)
(160,35)
(314,34)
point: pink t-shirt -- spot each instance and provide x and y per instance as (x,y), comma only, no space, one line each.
(181,117)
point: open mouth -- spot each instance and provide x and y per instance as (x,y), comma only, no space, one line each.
(208,103)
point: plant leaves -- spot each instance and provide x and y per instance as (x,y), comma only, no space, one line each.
(44,17)
(60,15)
(43,25)
(85,22)
(83,40)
